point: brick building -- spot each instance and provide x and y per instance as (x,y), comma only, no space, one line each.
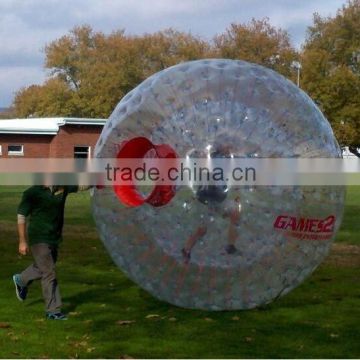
(49,137)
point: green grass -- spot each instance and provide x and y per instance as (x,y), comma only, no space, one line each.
(350,229)
(319,319)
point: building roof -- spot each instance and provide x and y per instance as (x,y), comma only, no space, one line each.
(43,126)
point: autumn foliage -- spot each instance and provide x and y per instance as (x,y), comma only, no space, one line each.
(89,72)
(331,70)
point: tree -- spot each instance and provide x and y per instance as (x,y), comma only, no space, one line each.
(331,70)
(260,43)
(93,71)
(53,98)
(26,102)
(99,69)
(7,113)
(90,71)
(169,47)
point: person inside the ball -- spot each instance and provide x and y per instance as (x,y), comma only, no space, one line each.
(214,196)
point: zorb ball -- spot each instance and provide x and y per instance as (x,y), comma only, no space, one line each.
(210,247)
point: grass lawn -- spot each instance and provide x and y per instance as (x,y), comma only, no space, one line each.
(321,318)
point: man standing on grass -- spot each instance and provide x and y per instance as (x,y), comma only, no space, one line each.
(45,206)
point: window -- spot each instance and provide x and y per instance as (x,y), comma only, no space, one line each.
(16,150)
(82,152)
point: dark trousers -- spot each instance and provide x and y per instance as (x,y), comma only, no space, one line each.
(43,269)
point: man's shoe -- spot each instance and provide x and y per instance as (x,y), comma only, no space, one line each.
(21,291)
(231,249)
(56,316)
(186,255)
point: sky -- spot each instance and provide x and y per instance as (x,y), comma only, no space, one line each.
(26,26)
